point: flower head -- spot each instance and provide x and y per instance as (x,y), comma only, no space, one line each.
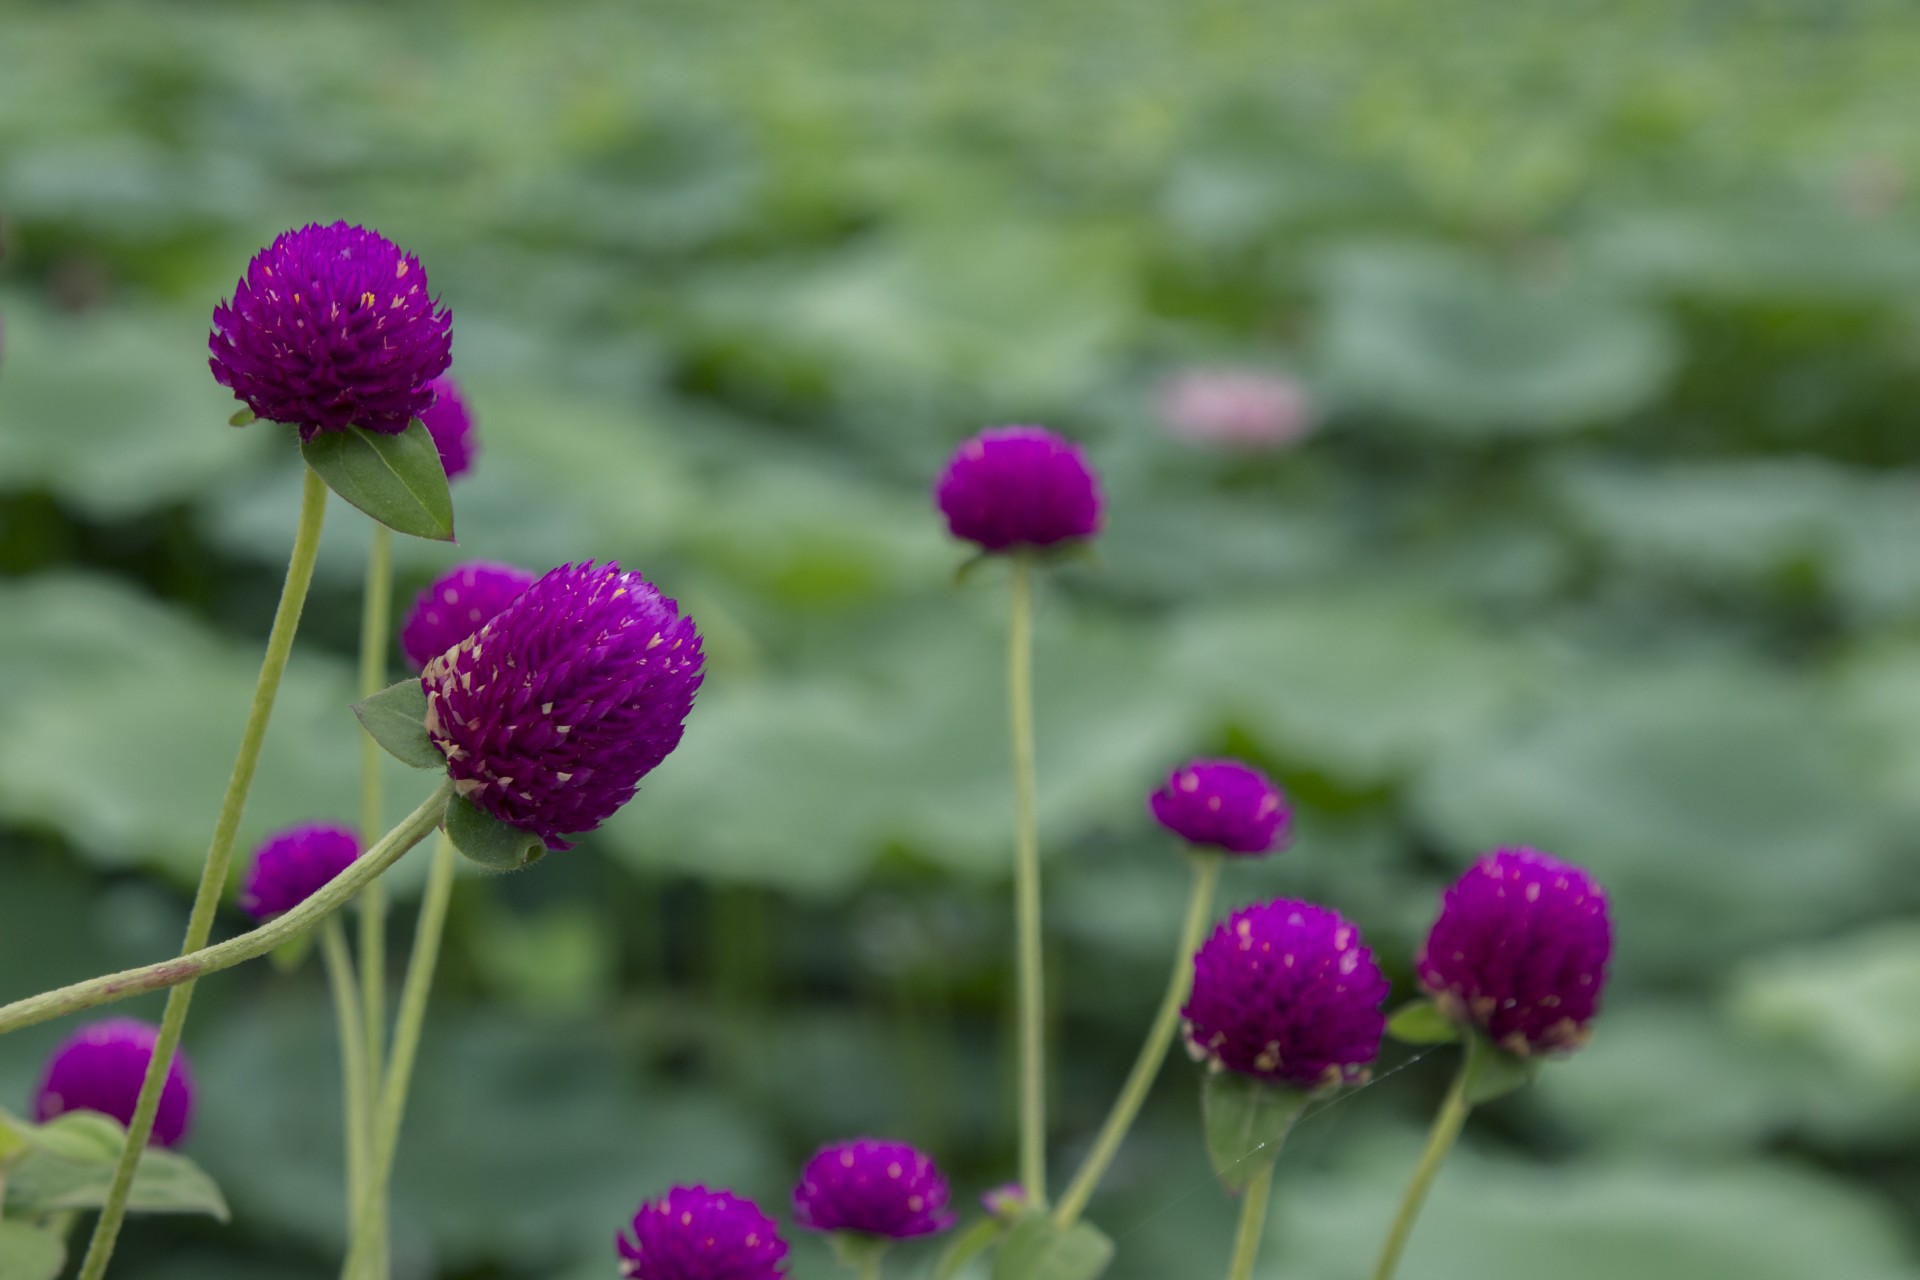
(100,1068)
(1019,487)
(1222,803)
(1007,1202)
(1520,951)
(553,711)
(450,423)
(292,864)
(1287,991)
(1236,408)
(692,1233)
(459,603)
(872,1187)
(332,327)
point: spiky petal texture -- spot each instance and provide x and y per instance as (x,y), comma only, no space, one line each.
(1014,487)
(1287,991)
(1223,804)
(872,1187)
(450,422)
(290,865)
(332,327)
(553,711)
(100,1068)
(692,1233)
(460,602)
(1520,951)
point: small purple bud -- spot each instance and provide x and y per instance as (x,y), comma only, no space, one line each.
(1007,1202)
(1520,951)
(459,603)
(1236,408)
(1019,487)
(1286,991)
(100,1068)
(332,327)
(553,711)
(1224,804)
(874,1188)
(692,1233)
(450,423)
(291,865)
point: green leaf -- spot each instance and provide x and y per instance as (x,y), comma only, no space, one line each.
(488,841)
(72,1164)
(29,1252)
(1421,1023)
(1494,1073)
(396,479)
(16,1139)
(1246,1121)
(967,1246)
(1038,1250)
(290,954)
(396,718)
(85,1137)
(242,417)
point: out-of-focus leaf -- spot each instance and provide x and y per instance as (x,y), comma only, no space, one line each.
(1855,1001)
(30,1252)
(1038,1250)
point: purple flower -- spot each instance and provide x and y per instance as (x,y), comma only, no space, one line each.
(459,603)
(450,423)
(100,1068)
(1236,408)
(292,864)
(1287,991)
(1520,951)
(1222,803)
(1019,487)
(872,1187)
(332,327)
(692,1233)
(1007,1202)
(553,711)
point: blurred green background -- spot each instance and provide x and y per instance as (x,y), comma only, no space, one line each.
(1607,538)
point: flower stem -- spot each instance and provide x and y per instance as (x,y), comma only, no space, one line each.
(1206,874)
(1026,897)
(1446,1128)
(353,1058)
(110,987)
(376,610)
(213,874)
(1253,1221)
(369,1246)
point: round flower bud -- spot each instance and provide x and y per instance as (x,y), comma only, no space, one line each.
(1007,1202)
(459,603)
(1287,992)
(692,1233)
(450,423)
(100,1068)
(1222,804)
(1520,951)
(553,711)
(1014,487)
(293,864)
(1236,408)
(332,327)
(872,1187)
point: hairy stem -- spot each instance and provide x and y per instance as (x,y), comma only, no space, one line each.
(353,1058)
(213,874)
(1253,1221)
(1026,897)
(1447,1124)
(376,615)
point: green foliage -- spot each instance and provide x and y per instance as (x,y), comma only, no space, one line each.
(1245,1121)
(1037,1250)
(396,718)
(396,479)
(70,1162)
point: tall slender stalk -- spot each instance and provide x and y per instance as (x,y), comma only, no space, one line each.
(1031,999)
(353,1058)
(1447,1124)
(213,874)
(376,617)
(1206,874)
(1253,1222)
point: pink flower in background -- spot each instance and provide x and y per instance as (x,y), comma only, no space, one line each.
(1236,408)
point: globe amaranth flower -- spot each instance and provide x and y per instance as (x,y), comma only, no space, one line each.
(872,1187)
(553,711)
(692,1233)
(1236,408)
(1007,1202)
(1520,951)
(1014,487)
(1223,804)
(1286,991)
(459,603)
(100,1068)
(292,864)
(450,423)
(332,327)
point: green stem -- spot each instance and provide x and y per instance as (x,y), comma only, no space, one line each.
(353,1058)
(1446,1128)
(213,874)
(1206,874)
(369,1246)
(376,616)
(1253,1221)
(1026,892)
(110,987)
